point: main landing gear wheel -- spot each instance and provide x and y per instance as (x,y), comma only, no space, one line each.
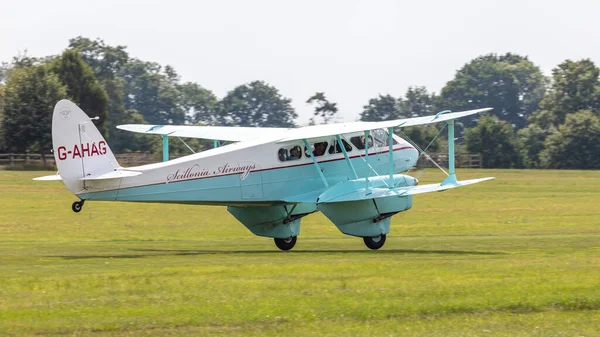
(285,244)
(375,242)
(77,206)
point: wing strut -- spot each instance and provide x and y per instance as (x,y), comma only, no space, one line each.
(391,155)
(451,179)
(186,145)
(317,167)
(367,158)
(423,152)
(165,147)
(339,140)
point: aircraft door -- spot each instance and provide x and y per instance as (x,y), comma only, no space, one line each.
(252,186)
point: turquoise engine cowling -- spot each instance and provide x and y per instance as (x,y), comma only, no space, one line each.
(364,211)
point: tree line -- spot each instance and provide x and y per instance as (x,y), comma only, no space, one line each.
(537,122)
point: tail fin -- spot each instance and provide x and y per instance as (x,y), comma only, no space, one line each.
(80,151)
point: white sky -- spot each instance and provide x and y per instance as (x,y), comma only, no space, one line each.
(352,50)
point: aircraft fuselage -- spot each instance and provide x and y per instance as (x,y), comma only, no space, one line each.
(253,172)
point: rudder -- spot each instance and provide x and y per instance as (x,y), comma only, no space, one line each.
(79,149)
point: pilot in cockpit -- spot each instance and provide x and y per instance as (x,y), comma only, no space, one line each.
(282,154)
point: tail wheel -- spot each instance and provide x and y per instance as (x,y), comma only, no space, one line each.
(77,206)
(285,244)
(374,242)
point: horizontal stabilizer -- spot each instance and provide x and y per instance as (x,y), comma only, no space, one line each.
(113,175)
(49,178)
(441,187)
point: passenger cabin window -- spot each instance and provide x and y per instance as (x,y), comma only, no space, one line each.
(318,149)
(292,152)
(359,142)
(334,146)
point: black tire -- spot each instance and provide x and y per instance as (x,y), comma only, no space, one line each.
(285,244)
(77,206)
(375,242)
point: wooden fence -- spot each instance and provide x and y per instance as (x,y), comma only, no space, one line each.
(125,159)
(33,158)
(463,160)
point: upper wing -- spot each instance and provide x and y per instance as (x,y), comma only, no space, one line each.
(238,134)
(343,128)
(440,117)
(226,133)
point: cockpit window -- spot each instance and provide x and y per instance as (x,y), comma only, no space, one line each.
(359,142)
(334,146)
(380,136)
(292,152)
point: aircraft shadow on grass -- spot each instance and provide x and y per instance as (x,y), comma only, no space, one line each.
(145,253)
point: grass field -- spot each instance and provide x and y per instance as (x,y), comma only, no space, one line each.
(517,256)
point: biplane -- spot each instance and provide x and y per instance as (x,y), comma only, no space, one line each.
(269,178)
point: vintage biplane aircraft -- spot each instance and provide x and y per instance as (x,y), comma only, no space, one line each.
(269,178)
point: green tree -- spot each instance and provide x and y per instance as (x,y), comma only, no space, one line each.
(152,92)
(1,117)
(494,139)
(118,115)
(126,141)
(530,142)
(381,108)
(4,71)
(22,60)
(82,87)
(105,60)
(256,104)
(575,144)
(120,140)
(29,99)
(575,87)
(141,92)
(417,101)
(323,108)
(509,83)
(198,103)
(107,63)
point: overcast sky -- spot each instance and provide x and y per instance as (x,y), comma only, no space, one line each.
(351,50)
